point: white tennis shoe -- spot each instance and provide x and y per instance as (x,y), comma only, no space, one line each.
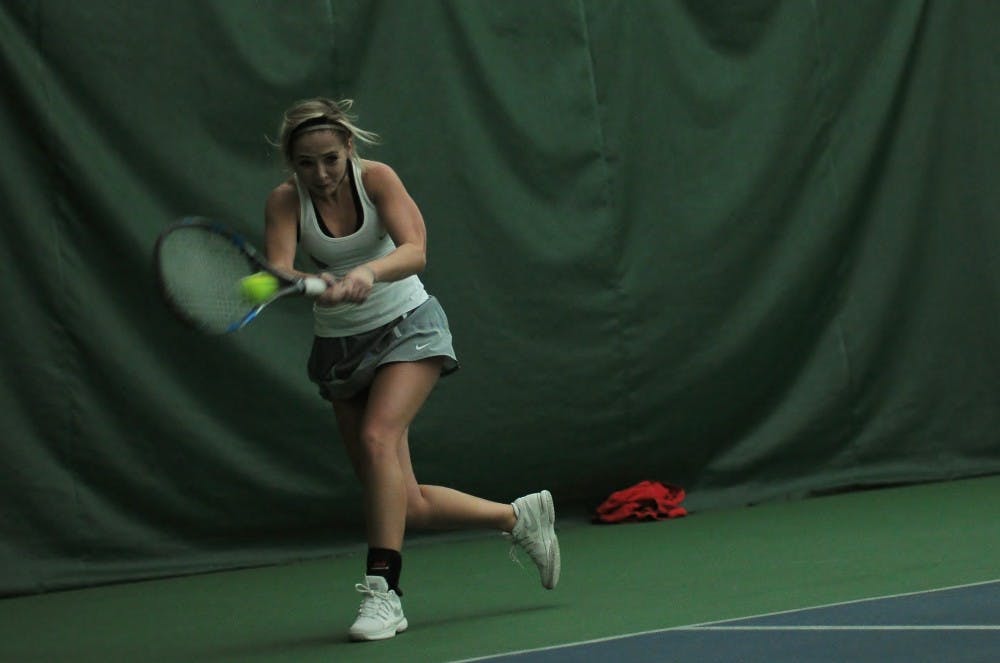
(535,533)
(381,613)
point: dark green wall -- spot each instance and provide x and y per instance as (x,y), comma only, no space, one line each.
(748,247)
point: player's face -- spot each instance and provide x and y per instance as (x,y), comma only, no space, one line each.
(320,159)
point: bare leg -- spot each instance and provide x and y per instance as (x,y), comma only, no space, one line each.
(438,507)
(396,395)
(377,425)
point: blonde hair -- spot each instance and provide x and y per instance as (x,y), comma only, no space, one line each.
(319,114)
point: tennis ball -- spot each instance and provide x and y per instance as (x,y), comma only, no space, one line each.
(258,287)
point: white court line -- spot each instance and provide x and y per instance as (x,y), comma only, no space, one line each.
(887,627)
(839,603)
(719,625)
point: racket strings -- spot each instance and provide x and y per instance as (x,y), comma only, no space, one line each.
(200,272)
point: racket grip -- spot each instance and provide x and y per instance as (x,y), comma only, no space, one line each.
(313,286)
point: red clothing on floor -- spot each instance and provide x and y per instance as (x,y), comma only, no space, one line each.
(646,500)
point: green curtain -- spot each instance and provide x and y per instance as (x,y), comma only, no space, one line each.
(747,247)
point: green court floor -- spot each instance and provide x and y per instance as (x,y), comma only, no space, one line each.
(465,598)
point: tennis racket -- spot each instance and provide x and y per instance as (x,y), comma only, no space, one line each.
(200,265)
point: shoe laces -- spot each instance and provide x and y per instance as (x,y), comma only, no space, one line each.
(375,603)
(529,542)
(512,553)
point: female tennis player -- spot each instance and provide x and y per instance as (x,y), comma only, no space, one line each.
(381,343)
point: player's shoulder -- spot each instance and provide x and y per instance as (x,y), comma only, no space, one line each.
(282,204)
(283,197)
(376,169)
(378,176)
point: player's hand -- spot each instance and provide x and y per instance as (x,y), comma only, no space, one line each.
(334,293)
(357,284)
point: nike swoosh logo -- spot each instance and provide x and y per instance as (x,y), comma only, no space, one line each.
(421,347)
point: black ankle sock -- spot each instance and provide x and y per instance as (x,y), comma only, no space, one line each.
(386,563)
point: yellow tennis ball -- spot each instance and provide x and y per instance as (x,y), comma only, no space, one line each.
(258,287)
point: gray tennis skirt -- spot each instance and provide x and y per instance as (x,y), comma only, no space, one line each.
(345,366)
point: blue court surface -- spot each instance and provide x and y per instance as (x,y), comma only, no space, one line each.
(950,625)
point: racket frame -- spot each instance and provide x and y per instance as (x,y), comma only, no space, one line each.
(288,285)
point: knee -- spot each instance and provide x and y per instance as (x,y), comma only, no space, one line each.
(418,513)
(379,444)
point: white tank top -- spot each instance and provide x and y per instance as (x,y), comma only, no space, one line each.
(339,255)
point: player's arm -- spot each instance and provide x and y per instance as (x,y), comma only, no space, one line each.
(404,223)
(281,227)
